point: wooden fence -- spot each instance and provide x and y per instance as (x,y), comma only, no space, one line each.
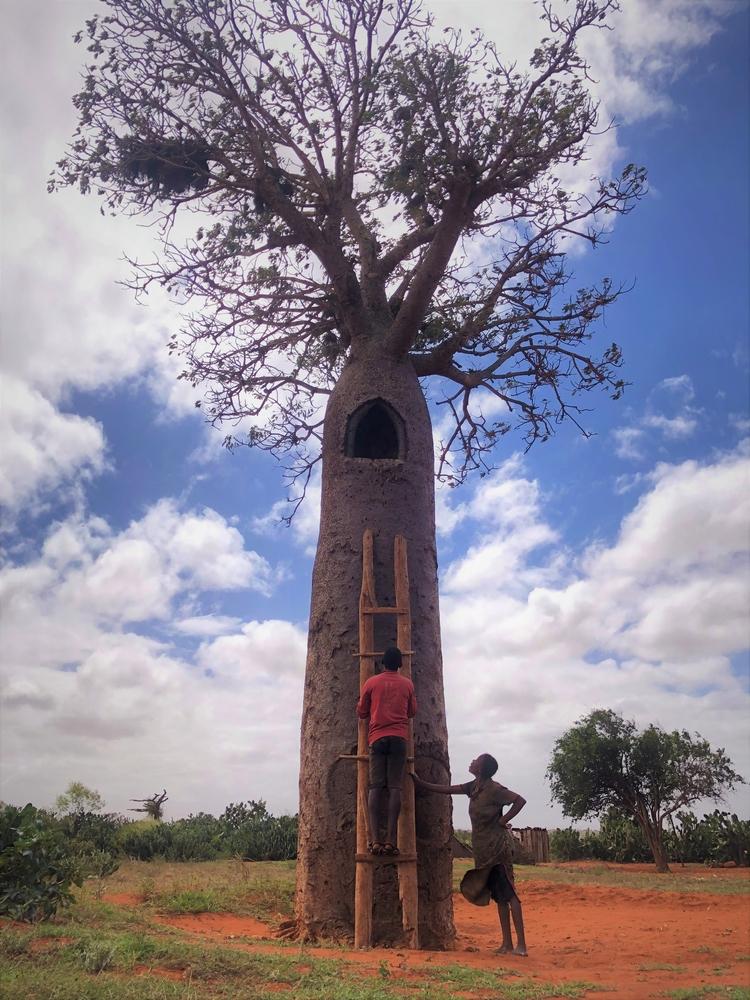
(535,842)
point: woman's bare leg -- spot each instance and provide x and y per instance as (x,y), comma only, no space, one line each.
(517,912)
(503,912)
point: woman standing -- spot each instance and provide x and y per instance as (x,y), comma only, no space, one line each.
(492,846)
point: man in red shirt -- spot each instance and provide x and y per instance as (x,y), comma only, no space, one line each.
(388,701)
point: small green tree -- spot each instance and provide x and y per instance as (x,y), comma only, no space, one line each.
(36,865)
(79,799)
(603,762)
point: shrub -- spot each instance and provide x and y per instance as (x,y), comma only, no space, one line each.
(715,839)
(270,838)
(618,839)
(144,840)
(566,845)
(36,865)
(197,838)
(90,831)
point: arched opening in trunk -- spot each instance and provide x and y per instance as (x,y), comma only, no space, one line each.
(375,431)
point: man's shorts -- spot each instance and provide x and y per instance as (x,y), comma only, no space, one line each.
(387,759)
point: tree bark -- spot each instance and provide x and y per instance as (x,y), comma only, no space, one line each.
(389,496)
(655,842)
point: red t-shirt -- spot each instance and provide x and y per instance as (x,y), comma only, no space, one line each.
(388,699)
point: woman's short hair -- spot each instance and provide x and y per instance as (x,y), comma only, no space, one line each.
(488,766)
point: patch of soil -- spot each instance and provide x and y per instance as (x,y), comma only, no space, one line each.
(122,898)
(640,943)
(42,944)
(636,943)
(222,925)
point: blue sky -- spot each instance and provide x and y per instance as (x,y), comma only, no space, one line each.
(155,610)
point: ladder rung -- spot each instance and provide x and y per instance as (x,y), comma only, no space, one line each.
(364,756)
(404,652)
(385,611)
(387,859)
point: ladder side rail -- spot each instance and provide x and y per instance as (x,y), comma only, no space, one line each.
(363,881)
(407,838)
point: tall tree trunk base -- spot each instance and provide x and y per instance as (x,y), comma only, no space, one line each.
(378,474)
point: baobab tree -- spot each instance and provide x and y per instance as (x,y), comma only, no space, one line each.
(359,208)
(153,806)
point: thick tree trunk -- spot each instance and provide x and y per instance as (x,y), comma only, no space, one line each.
(392,495)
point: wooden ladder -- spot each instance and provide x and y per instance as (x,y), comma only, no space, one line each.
(407,838)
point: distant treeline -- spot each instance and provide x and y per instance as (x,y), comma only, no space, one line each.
(244,829)
(718,838)
(44,853)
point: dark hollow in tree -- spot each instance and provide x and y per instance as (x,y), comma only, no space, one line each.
(375,430)
(373,206)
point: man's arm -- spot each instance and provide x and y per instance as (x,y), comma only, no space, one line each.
(363,705)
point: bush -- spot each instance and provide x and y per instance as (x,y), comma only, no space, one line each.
(717,838)
(197,838)
(619,838)
(36,865)
(270,838)
(144,840)
(92,831)
(567,845)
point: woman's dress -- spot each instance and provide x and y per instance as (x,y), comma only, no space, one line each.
(492,844)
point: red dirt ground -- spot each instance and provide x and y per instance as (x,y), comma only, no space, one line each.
(636,943)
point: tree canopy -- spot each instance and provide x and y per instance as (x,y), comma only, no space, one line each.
(152,806)
(77,798)
(603,762)
(331,176)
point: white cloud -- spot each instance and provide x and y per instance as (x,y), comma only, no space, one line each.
(87,697)
(306,521)
(207,625)
(647,625)
(269,648)
(680,426)
(669,411)
(627,442)
(42,447)
(740,423)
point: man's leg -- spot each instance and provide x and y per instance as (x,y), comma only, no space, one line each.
(395,773)
(394,809)
(376,793)
(375,811)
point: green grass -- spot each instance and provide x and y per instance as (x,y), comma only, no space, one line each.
(464,978)
(264,890)
(705,992)
(660,967)
(99,950)
(193,901)
(100,963)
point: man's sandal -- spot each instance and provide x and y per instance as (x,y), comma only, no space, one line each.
(376,848)
(391,850)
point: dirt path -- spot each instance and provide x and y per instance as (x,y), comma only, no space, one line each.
(636,943)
